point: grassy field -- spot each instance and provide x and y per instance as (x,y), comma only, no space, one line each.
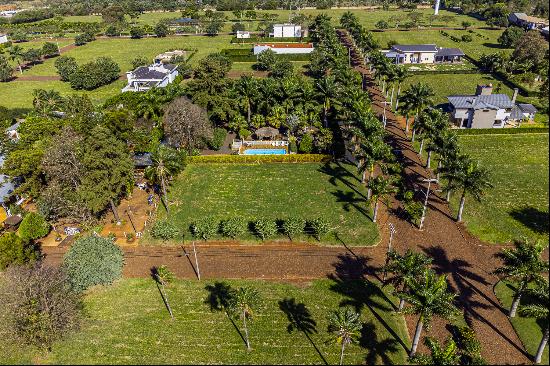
(518,204)
(127,323)
(275,191)
(367,17)
(528,329)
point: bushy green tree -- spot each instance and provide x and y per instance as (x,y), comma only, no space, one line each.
(265,228)
(205,228)
(164,230)
(6,71)
(161,29)
(140,61)
(511,36)
(233,227)
(293,226)
(319,226)
(266,60)
(66,66)
(50,49)
(137,32)
(94,74)
(93,260)
(33,226)
(15,251)
(382,24)
(306,144)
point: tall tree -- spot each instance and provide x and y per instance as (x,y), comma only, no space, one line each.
(244,303)
(186,125)
(346,326)
(16,54)
(522,265)
(167,162)
(381,188)
(405,268)
(327,89)
(428,296)
(538,309)
(46,101)
(247,88)
(108,171)
(420,96)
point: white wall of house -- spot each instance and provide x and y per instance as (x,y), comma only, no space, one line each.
(287,30)
(3,38)
(419,57)
(280,50)
(243,34)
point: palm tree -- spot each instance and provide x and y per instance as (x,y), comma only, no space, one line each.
(381,188)
(428,296)
(419,96)
(434,124)
(523,265)
(346,326)
(405,268)
(16,54)
(244,302)
(406,108)
(445,145)
(247,88)
(46,101)
(447,354)
(167,162)
(450,168)
(401,74)
(327,89)
(538,309)
(163,277)
(471,179)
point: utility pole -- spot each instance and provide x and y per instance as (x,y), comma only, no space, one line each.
(392,231)
(429,180)
(384,118)
(436,12)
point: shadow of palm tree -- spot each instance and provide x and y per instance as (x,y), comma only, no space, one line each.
(533,218)
(299,318)
(154,276)
(379,351)
(350,199)
(350,280)
(219,295)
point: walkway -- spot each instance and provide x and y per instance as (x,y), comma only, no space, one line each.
(467,261)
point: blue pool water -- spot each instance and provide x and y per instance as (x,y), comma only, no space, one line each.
(265,152)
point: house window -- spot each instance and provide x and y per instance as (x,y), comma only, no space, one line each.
(497,123)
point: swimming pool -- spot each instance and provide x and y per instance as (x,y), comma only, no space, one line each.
(265,152)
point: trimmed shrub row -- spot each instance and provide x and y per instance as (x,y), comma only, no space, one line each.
(500,131)
(432,72)
(208,227)
(247,55)
(251,159)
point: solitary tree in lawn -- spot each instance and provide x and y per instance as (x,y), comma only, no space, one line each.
(167,162)
(428,296)
(405,268)
(381,188)
(471,179)
(522,265)
(346,326)
(16,54)
(538,309)
(247,88)
(244,302)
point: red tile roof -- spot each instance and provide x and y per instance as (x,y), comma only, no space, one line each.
(286,45)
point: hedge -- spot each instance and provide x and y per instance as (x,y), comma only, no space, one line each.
(258,159)
(270,40)
(500,131)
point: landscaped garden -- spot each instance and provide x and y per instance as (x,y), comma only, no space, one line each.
(275,191)
(128,323)
(517,205)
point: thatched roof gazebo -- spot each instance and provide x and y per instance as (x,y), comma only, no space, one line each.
(266,132)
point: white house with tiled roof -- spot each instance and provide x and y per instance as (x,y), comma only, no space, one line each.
(157,75)
(423,54)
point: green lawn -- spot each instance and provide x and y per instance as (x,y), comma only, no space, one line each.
(518,204)
(444,85)
(275,191)
(528,329)
(18,94)
(127,323)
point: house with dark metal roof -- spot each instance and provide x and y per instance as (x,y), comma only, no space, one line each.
(487,110)
(157,75)
(526,21)
(423,54)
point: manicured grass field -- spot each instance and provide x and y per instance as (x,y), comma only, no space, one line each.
(367,17)
(275,191)
(18,94)
(127,323)
(528,329)
(518,204)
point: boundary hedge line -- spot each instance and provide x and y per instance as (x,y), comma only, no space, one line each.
(500,131)
(260,159)
(247,55)
(270,40)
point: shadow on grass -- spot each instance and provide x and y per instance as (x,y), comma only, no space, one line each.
(155,277)
(350,280)
(533,218)
(219,295)
(299,318)
(377,349)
